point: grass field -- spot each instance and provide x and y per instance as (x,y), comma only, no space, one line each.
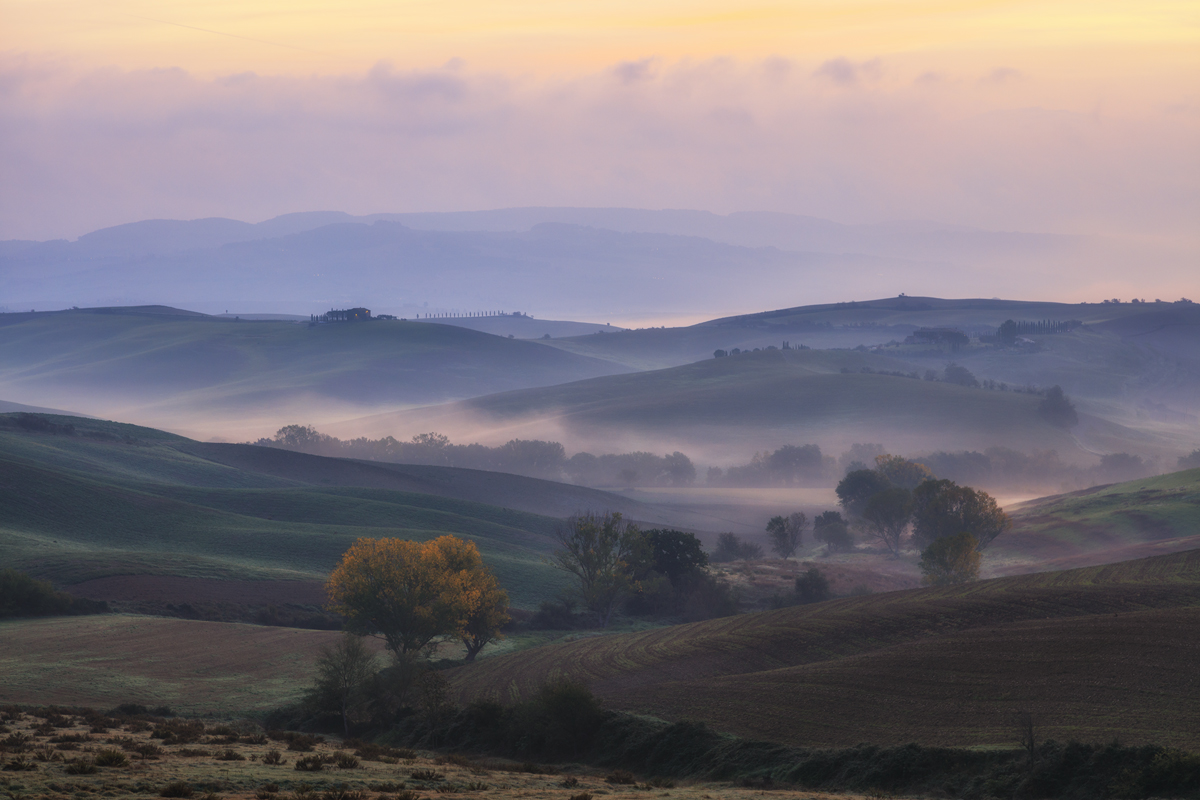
(1033,640)
(1104,524)
(192,666)
(117,500)
(216,376)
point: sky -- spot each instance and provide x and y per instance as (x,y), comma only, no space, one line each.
(1054,115)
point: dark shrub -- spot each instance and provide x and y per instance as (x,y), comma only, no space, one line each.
(309,764)
(176,789)
(273,758)
(111,758)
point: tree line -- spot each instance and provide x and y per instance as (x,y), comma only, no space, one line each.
(531,457)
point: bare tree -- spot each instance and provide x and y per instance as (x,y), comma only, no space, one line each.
(786,533)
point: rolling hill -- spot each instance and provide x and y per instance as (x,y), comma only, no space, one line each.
(1093,652)
(723,410)
(1103,524)
(219,376)
(103,500)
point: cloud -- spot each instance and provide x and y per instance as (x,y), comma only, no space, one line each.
(1001,75)
(844,72)
(87,149)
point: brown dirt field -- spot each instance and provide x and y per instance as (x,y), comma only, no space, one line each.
(1129,676)
(199,667)
(247,778)
(168,589)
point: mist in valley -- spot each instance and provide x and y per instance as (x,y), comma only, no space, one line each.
(409,399)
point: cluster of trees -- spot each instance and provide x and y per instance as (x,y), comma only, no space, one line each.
(902,499)
(658,571)
(25,596)
(1001,466)
(1010,330)
(790,465)
(532,457)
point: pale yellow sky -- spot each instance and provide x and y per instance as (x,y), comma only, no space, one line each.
(1052,115)
(543,38)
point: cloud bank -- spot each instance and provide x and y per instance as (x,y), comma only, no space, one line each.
(852,140)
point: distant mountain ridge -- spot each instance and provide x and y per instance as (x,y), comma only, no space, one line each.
(557,262)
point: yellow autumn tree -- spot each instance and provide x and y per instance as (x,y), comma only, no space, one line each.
(412,593)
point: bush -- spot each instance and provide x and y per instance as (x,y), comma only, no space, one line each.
(23,596)
(80,767)
(176,789)
(812,587)
(309,764)
(731,547)
(273,758)
(111,758)
(230,755)
(1190,461)
(620,778)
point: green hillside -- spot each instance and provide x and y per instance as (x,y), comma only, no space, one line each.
(1106,523)
(895,667)
(105,499)
(180,368)
(760,400)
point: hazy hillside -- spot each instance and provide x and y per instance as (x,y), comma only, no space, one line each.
(909,666)
(723,408)
(109,500)
(215,376)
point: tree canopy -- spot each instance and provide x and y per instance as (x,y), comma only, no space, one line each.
(887,515)
(675,553)
(951,560)
(858,487)
(942,508)
(413,593)
(602,552)
(830,528)
(1057,409)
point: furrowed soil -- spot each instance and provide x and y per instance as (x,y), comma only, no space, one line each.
(1104,651)
(193,666)
(227,761)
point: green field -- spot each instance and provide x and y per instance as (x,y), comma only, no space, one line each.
(119,500)
(192,666)
(188,371)
(1098,652)
(1106,523)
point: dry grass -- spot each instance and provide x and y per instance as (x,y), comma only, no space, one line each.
(206,775)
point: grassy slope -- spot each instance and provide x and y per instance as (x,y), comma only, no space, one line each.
(204,363)
(75,508)
(191,666)
(791,394)
(1106,521)
(760,656)
(871,322)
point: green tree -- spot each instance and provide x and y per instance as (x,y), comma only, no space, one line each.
(901,472)
(675,554)
(604,553)
(1190,461)
(951,560)
(786,533)
(812,587)
(832,530)
(344,673)
(731,547)
(1057,409)
(942,508)
(1007,332)
(858,487)
(960,375)
(887,515)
